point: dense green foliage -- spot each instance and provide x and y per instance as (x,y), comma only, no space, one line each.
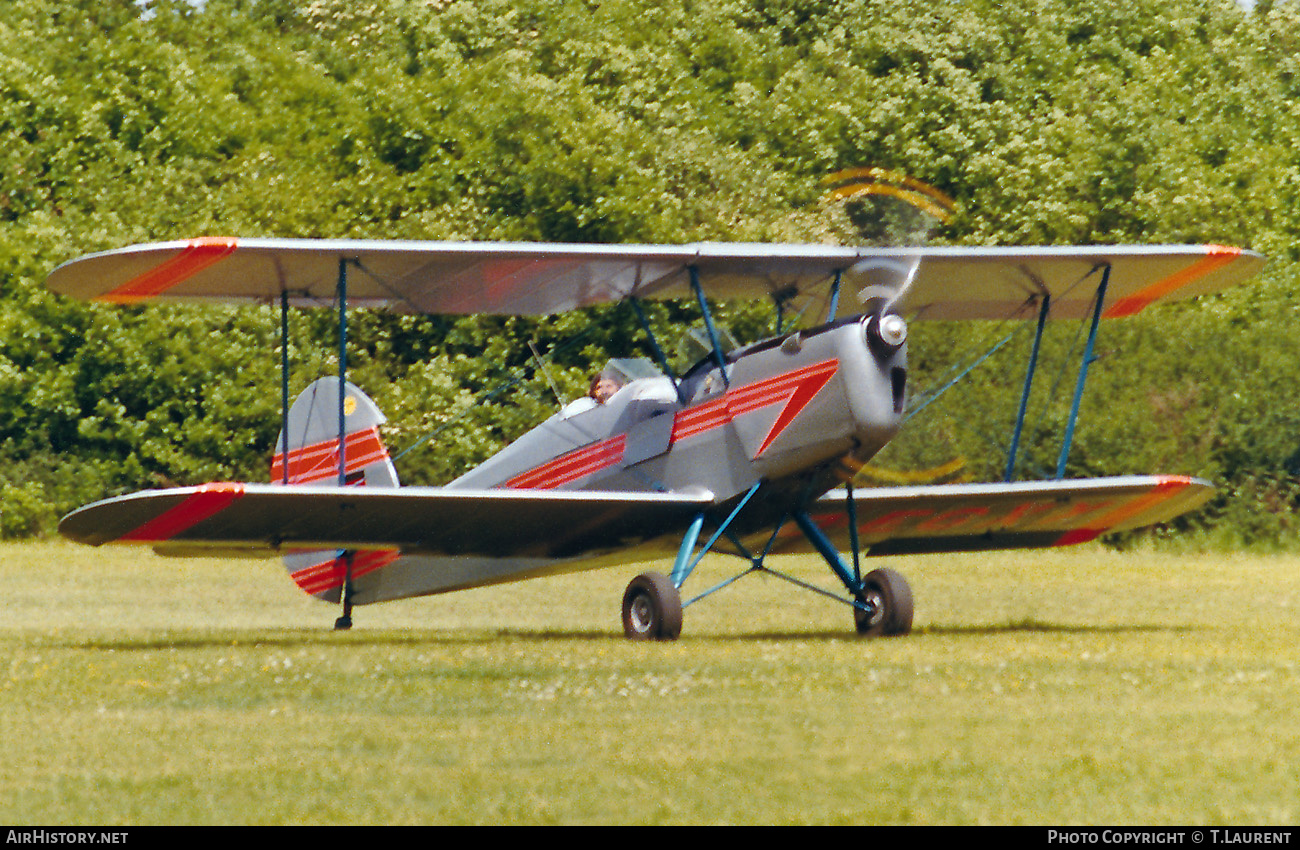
(1048,121)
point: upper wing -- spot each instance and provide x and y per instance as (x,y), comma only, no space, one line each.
(973,517)
(418,520)
(994,283)
(540,279)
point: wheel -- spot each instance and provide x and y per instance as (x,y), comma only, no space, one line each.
(652,608)
(891,598)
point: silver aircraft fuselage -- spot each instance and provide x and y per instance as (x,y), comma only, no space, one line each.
(788,412)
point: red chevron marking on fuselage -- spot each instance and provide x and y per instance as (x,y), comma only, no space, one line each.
(796,388)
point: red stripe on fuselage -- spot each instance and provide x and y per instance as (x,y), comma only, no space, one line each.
(806,384)
(796,388)
(571,466)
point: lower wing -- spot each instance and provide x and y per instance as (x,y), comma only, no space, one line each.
(272,519)
(391,542)
(972,517)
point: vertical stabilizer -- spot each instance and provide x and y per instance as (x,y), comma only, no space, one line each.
(314,439)
(313,459)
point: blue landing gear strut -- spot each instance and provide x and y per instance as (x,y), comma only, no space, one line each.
(652,605)
(882,600)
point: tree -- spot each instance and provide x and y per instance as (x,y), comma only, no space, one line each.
(1049,121)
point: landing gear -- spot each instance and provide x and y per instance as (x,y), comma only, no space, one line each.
(882,600)
(889,597)
(652,608)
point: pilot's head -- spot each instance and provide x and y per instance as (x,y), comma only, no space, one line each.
(603,386)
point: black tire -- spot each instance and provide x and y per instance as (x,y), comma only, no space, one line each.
(891,597)
(652,608)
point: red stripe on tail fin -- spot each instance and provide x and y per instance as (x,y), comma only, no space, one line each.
(320,461)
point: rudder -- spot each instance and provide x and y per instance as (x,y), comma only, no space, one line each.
(313,445)
(313,459)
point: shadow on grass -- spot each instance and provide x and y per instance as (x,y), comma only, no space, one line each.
(1042,627)
(311,638)
(1022,627)
(296,638)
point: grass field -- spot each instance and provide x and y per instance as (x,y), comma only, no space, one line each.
(1076,687)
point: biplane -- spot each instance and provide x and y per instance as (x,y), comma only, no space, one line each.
(750,452)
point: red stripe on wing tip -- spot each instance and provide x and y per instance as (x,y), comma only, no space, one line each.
(1215,256)
(1222,250)
(196,256)
(1167,486)
(205,501)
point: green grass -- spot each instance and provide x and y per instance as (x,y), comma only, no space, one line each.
(1077,687)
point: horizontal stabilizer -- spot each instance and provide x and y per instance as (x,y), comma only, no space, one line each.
(973,517)
(417,520)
